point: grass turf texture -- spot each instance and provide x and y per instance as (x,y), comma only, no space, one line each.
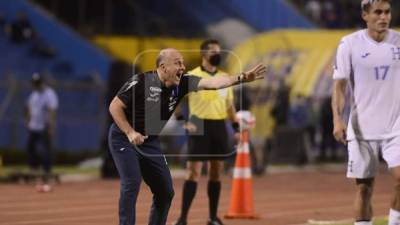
(376,221)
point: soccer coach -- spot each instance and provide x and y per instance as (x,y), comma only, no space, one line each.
(140,110)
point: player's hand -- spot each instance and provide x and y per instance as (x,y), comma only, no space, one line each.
(339,131)
(255,73)
(190,127)
(136,138)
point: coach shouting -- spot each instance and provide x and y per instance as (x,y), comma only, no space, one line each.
(140,110)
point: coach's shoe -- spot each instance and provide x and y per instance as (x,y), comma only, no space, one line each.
(215,221)
(180,222)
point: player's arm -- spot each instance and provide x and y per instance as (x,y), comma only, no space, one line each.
(341,73)
(338,101)
(117,112)
(218,82)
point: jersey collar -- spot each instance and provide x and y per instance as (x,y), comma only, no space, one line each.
(366,35)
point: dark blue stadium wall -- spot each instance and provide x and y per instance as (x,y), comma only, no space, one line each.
(269,14)
(262,15)
(81,110)
(69,46)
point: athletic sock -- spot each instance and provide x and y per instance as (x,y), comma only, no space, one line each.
(394,217)
(213,190)
(189,191)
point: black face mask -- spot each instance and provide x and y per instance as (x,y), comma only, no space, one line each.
(215,60)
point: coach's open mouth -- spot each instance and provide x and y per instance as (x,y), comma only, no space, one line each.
(179,74)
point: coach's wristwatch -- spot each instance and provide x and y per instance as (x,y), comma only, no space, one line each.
(241,77)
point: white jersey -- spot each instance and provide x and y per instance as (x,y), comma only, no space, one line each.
(39,104)
(373,71)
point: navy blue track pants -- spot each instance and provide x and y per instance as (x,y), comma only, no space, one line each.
(132,164)
(39,150)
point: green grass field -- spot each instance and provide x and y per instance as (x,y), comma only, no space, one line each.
(376,221)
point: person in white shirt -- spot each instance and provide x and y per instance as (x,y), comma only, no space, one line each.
(41,109)
(368,62)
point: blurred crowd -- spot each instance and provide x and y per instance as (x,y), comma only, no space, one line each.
(304,120)
(309,120)
(20,30)
(339,13)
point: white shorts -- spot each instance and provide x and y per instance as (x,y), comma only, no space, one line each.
(364,156)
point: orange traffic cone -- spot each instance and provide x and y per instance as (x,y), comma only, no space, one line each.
(242,205)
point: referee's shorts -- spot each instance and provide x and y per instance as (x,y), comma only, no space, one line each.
(210,141)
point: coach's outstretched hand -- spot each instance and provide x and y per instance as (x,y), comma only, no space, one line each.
(255,73)
(218,82)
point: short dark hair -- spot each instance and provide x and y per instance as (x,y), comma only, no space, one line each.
(366,4)
(204,44)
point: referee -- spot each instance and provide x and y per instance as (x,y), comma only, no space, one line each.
(208,139)
(140,110)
